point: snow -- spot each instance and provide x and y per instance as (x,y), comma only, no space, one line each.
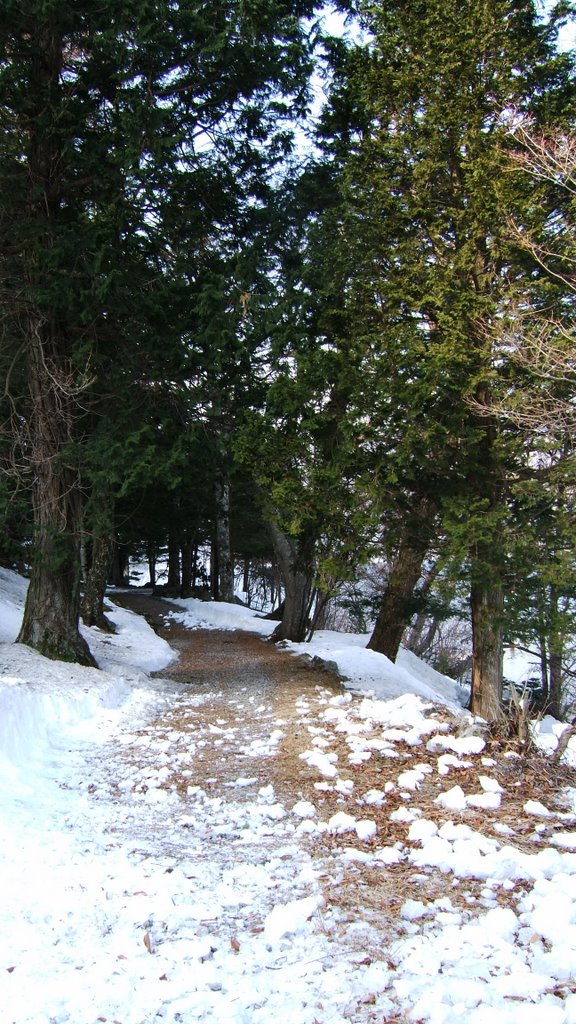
(125,899)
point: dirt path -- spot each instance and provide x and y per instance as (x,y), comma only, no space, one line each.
(250,691)
(246,711)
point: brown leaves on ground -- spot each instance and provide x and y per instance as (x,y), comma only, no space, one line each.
(248,688)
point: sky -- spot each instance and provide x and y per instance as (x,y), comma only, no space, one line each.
(128,899)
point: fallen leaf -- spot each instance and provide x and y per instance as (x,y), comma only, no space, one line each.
(148,942)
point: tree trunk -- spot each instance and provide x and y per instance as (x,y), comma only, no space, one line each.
(186,556)
(397,605)
(224,552)
(486,603)
(173,582)
(52,611)
(194,568)
(554,705)
(95,583)
(119,573)
(246,581)
(556,648)
(151,557)
(487,559)
(51,615)
(422,641)
(544,677)
(297,572)
(214,575)
(425,627)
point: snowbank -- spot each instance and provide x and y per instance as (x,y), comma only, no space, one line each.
(126,900)
(45,703)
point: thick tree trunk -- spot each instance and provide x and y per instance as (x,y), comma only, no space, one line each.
(486,603)
(397,606)
(214,576)
(487,558)
(51,615)
(52,611)
(92,606)
(297,572)
(554,705)
(397,603)
(225,561)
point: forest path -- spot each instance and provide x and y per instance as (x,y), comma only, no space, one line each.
(256,701)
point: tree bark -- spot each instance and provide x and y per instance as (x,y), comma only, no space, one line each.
(556,649)
(92,606)
(51,615)
(486,604)
(297,570)
(544,677)
(224,551)
(397,605)
(52,612)
(487,558)
(554,705)
(186,558)
(173,582)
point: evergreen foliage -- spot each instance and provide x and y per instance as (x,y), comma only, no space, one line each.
(131,134)
(427,202)
(206,335)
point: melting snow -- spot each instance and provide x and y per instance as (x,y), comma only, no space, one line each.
(125,901)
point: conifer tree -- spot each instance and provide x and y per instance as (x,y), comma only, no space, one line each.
(426,223)
(109,112)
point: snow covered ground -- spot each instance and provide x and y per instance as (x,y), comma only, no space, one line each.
(124,899)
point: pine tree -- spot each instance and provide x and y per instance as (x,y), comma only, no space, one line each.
(428,205)
(110,111)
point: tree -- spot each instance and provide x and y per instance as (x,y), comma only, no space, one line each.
(109,112)
(425,221)
(294,441)
(534,334)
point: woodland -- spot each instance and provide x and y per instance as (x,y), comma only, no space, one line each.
(301,298)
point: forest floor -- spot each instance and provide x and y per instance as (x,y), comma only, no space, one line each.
(249,685)
(241,837)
